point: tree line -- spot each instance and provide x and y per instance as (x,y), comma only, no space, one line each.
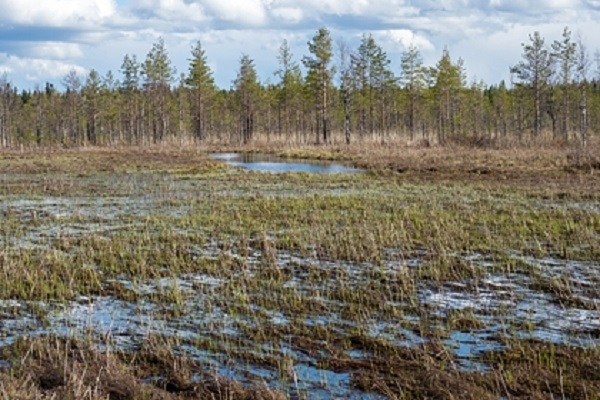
(341,94)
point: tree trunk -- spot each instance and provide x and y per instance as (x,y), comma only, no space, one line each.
(537,118)
(324,117)
(584,121)
(346,117)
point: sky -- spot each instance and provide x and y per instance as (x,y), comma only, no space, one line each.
(43,40)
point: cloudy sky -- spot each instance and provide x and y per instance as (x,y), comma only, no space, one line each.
(42,40)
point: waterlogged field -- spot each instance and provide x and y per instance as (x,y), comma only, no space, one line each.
(153,275)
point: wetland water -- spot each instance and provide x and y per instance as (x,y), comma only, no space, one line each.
(275,164)
(296,291)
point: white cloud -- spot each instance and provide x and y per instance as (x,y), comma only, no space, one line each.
(37,69)
(289,14)
(340,6)
(537,8)
(97,34)
(404,38)
(173,10)
(384,9)
(245,12)
(55,50)
(58,13)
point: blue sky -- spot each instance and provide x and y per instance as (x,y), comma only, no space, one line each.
(43,40)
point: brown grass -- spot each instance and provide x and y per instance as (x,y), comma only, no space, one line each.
(549,169)
(52,368)
(543,168)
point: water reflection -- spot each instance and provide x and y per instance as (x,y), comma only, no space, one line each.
(274,164)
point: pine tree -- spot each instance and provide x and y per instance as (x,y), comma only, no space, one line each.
(474,113)
(201,81)
(37,105)
(158,76)
(374,79)
(51,110)
(582,70)
(319,77)
(449,81)
(564,52)
(5,95)
(91,93)
(289,87)
(157,68)
(111,99)
(182,95)
(25,114)
(413,80)
(346,85)
(72,83)
(501,103)
(247,89)
(535,71)
(130,70)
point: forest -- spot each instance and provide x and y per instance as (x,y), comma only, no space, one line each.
(333,94)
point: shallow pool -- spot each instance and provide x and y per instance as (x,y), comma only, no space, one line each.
(275,164)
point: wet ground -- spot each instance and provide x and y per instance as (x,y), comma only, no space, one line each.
(255,309)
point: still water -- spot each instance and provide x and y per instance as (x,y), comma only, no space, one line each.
(274,164)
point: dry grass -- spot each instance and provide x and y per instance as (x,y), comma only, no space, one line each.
(399,156)
(55,368)
(545,168)
(104,160)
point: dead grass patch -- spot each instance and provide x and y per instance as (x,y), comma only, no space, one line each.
(56,368)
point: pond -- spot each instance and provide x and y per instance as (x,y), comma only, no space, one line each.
(274,164)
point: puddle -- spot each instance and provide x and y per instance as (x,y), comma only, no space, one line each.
(326,385)
(499,301)
(503,304)
(274,164)
(127,324)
